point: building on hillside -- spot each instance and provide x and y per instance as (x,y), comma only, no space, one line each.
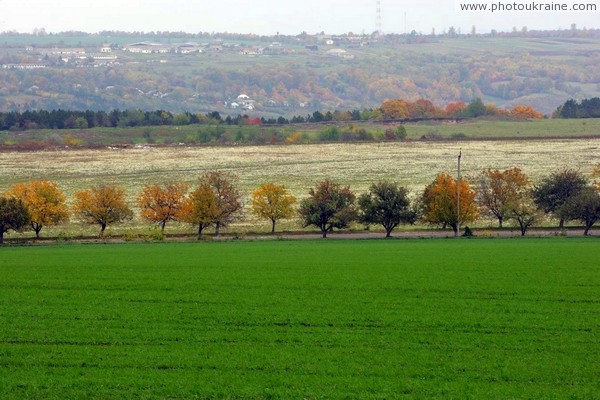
(244,101)
(105,49)
(23,66)
(252,51)
(148,48)
(341,53)
(189,48)
(103,56)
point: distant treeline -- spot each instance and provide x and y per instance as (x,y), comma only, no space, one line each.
(67,119)
(390,110)
(587,108)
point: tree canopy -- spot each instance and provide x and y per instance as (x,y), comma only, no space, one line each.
(556,189)
(227,197)
(386,204)
(501,191)
(44,200)
(328,206)
(13,215)
(273,202)
(161,204)
(439,202)
(102,205)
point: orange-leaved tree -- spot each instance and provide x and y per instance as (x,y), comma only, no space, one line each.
(395,109)
(455,109)
(102,205)
(161,204)
(44,200)
(200,208)
(273,202)
(525,112)
(439,202)
(501,191)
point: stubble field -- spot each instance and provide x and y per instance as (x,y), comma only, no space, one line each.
(298,167)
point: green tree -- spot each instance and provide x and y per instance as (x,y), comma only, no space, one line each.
(476,108)
(556,189)
(386,204)
(328,206)
(13,215)
(584,206)
(524,212)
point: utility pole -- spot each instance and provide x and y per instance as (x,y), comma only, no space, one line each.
(458,196)
(378,20)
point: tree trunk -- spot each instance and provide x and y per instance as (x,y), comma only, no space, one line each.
(455,229)
(217,228)
(102,228)
(273,226)
(586,232)
(388,232)
(523,228)
(561,224)
(324,232)
(200,227)
(500,222)
(1,236)
(37,230)
(162,226)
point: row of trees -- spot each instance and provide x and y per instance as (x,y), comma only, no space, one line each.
(216,201)
(401,109)
(389,109)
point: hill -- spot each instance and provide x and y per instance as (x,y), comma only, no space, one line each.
(293,75)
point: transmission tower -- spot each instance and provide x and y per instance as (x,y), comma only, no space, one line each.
(378,23)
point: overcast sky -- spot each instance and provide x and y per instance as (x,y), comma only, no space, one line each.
(272,16)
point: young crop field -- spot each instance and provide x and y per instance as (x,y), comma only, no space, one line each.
(298,167)
(302,319)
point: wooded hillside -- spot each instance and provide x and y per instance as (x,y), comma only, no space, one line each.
(294,75)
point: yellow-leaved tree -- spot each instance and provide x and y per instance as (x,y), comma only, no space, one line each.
(440,202)
(44,200)
(161,204)
(273,202)
(216,200)
(502,191)
(200,208)
(102,205)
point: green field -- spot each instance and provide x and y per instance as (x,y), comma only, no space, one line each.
(302,319)
(192,134)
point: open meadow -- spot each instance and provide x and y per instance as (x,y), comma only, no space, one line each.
(413,164)
(481,318)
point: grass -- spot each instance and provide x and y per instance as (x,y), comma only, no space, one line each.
(302,319)
(196,134)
